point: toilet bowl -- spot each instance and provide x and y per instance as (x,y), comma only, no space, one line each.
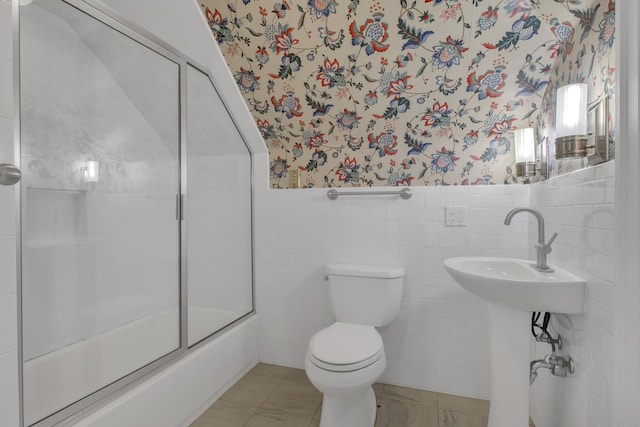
(344,359)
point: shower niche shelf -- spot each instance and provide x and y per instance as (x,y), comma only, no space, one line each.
(55,217)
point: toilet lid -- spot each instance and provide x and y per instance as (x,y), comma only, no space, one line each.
(346,344)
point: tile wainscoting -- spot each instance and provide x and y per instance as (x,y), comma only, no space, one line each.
(439,340)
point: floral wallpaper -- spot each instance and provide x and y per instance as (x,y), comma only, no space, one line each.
(590,59)
(404,92)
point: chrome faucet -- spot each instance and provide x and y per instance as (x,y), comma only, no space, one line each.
(542,248)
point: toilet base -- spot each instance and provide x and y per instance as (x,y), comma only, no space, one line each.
(352,411)
(348,398)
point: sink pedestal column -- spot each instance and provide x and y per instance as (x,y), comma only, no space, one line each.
(509,345)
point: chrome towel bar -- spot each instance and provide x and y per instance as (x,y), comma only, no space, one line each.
(405,193)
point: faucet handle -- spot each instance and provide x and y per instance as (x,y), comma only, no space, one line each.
(545,248)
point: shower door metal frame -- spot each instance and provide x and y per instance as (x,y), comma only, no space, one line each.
(80,409)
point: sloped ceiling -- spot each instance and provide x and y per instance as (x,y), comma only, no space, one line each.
(406,92)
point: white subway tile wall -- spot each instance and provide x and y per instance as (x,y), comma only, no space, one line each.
(8,317)
(439,340)
(580,208)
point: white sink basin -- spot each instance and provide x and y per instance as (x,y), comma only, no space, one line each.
(512,289)
(514,284)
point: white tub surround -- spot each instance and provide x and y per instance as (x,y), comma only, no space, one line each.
(179,394)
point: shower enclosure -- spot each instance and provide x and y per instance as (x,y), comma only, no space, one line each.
(135,207)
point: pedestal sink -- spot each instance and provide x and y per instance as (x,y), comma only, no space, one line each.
(512,290)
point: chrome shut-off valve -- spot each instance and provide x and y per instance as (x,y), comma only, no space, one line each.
(560,366)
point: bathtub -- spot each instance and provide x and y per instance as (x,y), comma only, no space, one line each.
(174,396)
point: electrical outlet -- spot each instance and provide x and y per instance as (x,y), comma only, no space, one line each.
(456,215)
(294,178)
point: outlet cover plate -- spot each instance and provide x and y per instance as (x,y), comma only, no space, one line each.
(456,216)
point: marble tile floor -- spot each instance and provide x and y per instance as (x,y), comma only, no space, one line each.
(277,396)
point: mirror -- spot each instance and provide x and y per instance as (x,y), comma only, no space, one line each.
(598,131)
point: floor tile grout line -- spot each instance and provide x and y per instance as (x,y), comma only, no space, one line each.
(280,381)
(251,417)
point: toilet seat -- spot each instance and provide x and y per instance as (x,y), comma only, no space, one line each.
(344,347)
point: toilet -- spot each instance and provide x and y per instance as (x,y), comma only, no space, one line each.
(345,359)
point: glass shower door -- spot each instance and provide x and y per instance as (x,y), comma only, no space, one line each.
(100,138)
(218,213)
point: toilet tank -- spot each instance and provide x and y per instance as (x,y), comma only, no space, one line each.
(365,294)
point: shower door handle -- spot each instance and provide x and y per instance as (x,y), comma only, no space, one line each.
(9,174)
(179,208)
